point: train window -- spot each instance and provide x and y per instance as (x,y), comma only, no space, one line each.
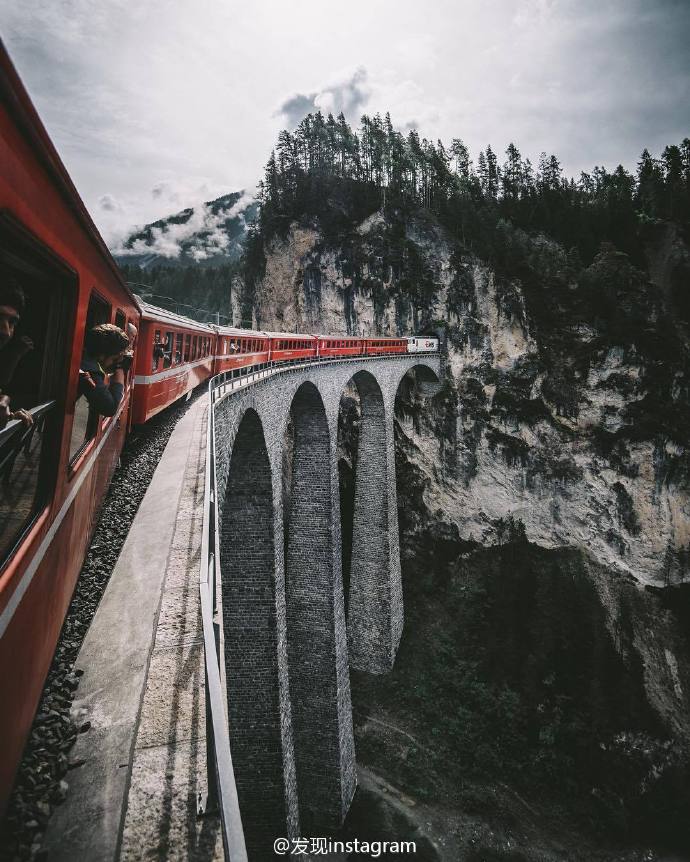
(187,347)
(157,350)
(85,422)
(35,375)
(178,348)
(167,356)
(121,319)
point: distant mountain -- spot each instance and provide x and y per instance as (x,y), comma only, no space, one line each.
(209,235)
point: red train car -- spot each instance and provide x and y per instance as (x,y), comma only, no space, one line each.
(286,346)
(237,348)
(381,346)
(338,345)
(51,488)
(174,355)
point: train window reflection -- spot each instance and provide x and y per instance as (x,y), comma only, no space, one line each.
(34,368)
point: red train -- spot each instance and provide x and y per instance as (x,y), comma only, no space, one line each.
(53,477)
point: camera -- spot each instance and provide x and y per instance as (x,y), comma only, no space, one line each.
(125,363)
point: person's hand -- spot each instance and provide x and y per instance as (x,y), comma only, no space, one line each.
(85,377)
(23,416)
(5,412)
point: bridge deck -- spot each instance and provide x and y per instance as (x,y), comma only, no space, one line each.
(144,756)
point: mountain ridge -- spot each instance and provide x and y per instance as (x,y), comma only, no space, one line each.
(210,234)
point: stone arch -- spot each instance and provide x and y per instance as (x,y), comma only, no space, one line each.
(248,558)
(425,378)
(316,637)
(375,617)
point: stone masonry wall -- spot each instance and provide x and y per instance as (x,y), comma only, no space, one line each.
(310,641)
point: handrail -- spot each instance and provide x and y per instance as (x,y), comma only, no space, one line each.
(222,789)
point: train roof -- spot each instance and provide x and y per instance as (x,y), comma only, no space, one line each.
(239,333)
(154,312)
(25,115)
(289,335)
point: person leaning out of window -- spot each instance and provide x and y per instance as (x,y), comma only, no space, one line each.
(12,348)
(106,353)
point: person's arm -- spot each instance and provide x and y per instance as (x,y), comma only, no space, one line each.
(104,399)
(5,412)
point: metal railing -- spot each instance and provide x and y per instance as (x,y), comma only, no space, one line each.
(16,437)
(222,789)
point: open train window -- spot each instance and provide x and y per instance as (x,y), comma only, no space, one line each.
(34,373)
(121,319)
(158,350)
(178,348)
(187,347)
(167,356)
(85,422)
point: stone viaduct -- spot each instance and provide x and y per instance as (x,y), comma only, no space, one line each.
(287,649)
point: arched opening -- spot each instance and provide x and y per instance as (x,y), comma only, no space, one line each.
(316,637)
(250,633)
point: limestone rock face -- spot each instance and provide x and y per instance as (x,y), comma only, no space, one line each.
(554,424)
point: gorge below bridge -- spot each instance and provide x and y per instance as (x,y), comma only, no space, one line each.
(286,646)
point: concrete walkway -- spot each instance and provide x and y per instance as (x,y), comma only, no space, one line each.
(135,795)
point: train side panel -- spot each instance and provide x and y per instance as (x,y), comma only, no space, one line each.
(384,346)
(175,355)
(340,346)
(289,346)
(48,242)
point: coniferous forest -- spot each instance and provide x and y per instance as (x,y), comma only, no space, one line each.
(328,171)
(325,160)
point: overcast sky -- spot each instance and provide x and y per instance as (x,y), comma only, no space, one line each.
(160,104)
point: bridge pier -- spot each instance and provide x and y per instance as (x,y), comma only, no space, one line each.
(255,656)
(375,618)
(316,636)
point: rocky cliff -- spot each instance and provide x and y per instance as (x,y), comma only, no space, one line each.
(553,468)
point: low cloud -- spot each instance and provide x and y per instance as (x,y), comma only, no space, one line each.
(170,240)
(348,96)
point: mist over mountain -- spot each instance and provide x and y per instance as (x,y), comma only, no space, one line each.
(208,235)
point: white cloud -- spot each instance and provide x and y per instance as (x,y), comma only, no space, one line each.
(348,94)
(167,241)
